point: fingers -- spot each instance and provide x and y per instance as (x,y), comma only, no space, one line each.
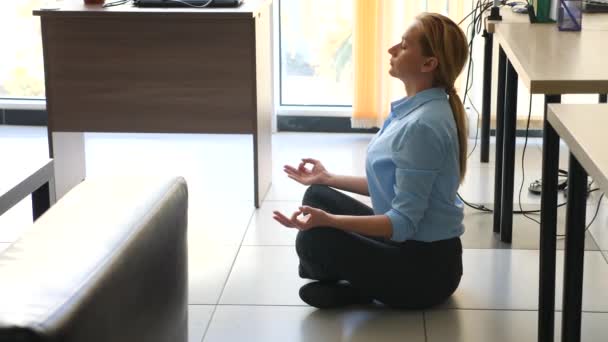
(302,166)
(309,210)
(301,224)
(294,216)
(310,160)
(289,168)
(305,209)
(282,219)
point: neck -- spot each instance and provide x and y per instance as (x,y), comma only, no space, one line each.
(413,88)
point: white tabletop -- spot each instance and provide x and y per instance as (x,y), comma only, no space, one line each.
(508,17)
(549,61)
(583,128)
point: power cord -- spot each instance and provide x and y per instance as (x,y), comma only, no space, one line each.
(116,3)
(191,5)
(523,160)
(597,210)
(122,2)
(475,26)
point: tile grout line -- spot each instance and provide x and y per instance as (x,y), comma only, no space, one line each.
(605,255)
(381,308)
(228,276)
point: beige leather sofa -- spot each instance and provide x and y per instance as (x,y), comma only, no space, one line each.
(108,262)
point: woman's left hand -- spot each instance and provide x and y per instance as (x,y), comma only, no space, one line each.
(313,217)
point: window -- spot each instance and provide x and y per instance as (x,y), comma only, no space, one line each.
(21,63)
(316,53)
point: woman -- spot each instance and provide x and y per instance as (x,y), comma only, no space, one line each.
(406,251)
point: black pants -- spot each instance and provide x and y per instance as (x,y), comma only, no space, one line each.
(412,274)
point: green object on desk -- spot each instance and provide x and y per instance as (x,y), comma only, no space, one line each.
(543,11)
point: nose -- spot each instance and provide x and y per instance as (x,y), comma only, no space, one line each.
(391,50)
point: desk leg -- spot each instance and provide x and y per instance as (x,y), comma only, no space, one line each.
(603,98)
(41,200)
(486,98)
(500,110)
(574,252)
(548,227)
(44,197)
(67,151)
(262,136)
(508,157)
(262,154)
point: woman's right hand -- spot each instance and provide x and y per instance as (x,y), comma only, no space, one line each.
(302,175)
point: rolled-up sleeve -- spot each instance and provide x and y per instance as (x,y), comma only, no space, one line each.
(418,156)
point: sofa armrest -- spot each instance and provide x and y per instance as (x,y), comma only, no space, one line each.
(108,262)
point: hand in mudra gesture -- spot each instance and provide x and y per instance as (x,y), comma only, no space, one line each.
(316,175)
(311,217)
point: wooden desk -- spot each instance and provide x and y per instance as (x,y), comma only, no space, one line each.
(157,70)
(23,177)
(583,128)
(552,63)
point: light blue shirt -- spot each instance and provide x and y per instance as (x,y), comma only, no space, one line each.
(413,169)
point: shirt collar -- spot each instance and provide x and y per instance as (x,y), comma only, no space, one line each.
(406,105)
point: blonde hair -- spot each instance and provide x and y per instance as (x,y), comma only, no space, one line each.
(443,39)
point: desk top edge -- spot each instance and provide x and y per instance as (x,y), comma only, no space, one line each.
(249,9)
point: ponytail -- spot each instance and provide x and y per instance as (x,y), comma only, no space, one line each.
(460,117)
(445,40)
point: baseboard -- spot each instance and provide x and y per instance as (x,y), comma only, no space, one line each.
(22,117)
(325,124)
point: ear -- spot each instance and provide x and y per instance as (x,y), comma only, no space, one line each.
(430,64)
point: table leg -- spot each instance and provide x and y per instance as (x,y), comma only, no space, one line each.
(262,154)
(41,200)
(574,252)
(500,110)
(508,157)
(262,136)
(44,197)
(67,151)
(486,98)
(548,224)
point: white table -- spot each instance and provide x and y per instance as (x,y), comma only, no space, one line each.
(583,128)
(552,63)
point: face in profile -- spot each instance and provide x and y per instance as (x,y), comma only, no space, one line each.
(408,63)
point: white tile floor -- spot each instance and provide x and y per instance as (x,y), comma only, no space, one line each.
(243,275)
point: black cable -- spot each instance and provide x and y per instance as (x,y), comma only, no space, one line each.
(523,171)
(476,29)
(471,13)
(597,210)
(184,3)
(470,69)
(523,160)
(116,3)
